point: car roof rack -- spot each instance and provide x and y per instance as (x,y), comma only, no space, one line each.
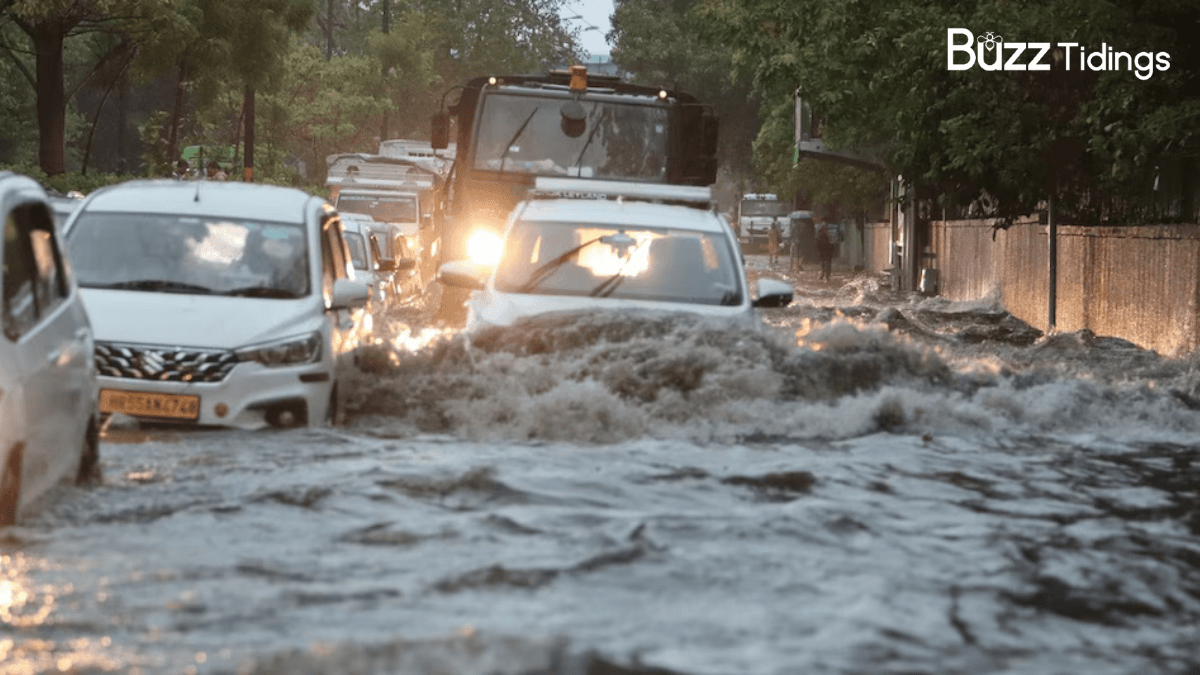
(586,188)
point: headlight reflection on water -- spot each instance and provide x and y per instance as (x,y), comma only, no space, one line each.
(410,341)
(25,606)
(19,604)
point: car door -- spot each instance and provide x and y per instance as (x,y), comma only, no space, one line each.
(46,330)
(335,265)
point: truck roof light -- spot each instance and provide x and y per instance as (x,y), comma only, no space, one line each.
(662,93)
(492,80)
(579,78)
(585,188)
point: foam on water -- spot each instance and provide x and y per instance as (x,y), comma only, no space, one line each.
(603,378)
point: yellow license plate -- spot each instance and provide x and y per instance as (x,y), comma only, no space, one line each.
(144,404)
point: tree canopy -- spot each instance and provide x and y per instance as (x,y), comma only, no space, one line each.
(331,76)
(876,72)
(661,43)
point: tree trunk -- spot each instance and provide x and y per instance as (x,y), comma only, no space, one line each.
(87,150)
(248,110)
(329,30)
(123,164)
(47,39)
(387,27)
(176,114)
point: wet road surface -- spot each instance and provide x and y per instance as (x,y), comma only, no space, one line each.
(874,483)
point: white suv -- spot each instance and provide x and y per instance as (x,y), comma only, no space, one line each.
(215,303)
(647,247)
(48,418)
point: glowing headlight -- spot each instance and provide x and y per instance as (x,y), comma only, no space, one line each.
(286,352)
(483,247)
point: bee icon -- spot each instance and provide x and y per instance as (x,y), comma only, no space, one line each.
(990,41)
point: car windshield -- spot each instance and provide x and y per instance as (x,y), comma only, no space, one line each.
(358,250)
(661,264)
(188,254)
(526,134)
(383,208)
(765,208)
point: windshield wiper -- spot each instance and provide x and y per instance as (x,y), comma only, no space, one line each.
(606,287)
(154,285)
(262,292)
(521,130)
(591,135)
(542,273)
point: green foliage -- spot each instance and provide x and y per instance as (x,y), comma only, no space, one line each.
(154,140)
(18,132)
(876,71)
(67,182)
(207,51)
(660,42)
(319,107)
(848,190)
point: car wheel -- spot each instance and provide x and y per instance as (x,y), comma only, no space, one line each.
(89,456)
(10,485)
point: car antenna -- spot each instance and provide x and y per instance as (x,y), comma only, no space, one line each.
(197,198)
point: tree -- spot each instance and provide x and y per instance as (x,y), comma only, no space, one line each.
(660,42)
(876,70)
(498,36)
(318,107)
(256,35)
(853,191)
(47,25)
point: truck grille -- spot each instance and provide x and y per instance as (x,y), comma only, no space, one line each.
(148,362)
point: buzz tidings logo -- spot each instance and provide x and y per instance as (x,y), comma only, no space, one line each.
(989,51)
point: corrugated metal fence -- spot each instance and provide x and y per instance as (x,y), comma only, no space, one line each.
(1137,283)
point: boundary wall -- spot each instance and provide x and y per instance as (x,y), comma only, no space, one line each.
(1140,283)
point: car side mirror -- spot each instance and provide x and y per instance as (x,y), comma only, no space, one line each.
(404,264)
(349,295)
(773,293)
(439,131)
(385,265)
(426,220)
(463,274)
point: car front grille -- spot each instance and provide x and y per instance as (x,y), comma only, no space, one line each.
(166,364)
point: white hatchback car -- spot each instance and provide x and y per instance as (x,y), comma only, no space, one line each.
(366,239)
(649,247)
(49,422)
(216,303)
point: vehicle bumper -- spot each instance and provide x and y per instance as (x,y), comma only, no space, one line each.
(251,395)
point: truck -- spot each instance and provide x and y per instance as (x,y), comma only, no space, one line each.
(512,129)
(757,212)
(397,194)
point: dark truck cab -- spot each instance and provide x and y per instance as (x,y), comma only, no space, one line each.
(512,129)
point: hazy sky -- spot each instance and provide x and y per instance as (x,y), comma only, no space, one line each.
(592,13)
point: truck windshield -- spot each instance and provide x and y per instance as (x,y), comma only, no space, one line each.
(524,134)
(383,208)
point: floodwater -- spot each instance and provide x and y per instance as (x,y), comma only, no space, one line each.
(871,483)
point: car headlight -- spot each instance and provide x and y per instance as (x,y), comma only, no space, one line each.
(286,352)
(483,247)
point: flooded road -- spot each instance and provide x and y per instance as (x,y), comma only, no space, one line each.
(873,483)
